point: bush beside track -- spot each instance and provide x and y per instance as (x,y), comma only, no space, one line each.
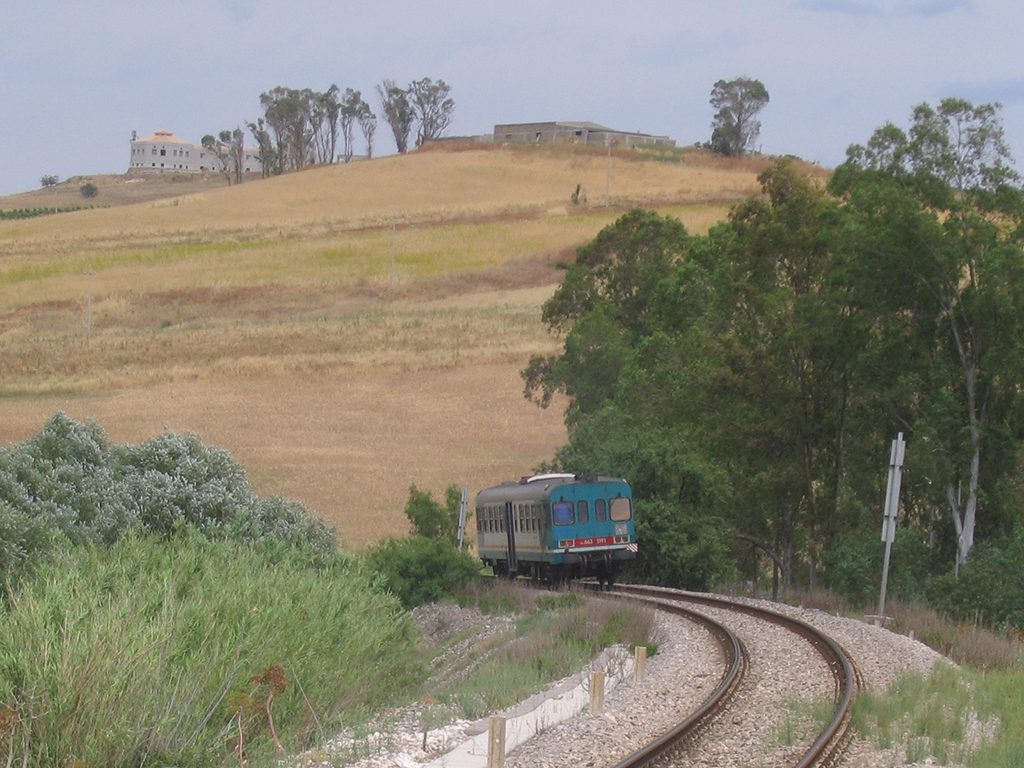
(156,611)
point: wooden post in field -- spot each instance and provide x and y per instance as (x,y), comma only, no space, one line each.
(394,247)
(496,743)
(639,662)
(596,692)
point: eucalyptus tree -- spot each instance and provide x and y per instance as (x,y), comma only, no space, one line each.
(289,114)
(352,105)
(368,125)
(228,148)
(399,112)
(735,126)
(325,113)
(941,215)
(268,155)
(433,107)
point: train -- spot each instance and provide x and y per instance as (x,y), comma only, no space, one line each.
(556,527)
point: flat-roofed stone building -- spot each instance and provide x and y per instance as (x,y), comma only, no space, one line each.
(574,133)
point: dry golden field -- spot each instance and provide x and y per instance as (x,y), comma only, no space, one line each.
(344,331)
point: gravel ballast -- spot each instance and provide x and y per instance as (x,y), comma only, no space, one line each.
(678,677)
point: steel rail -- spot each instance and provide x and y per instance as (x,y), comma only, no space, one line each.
(830,742)
(735,666)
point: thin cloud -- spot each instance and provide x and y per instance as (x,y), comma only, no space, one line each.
(863,8)
(846,7)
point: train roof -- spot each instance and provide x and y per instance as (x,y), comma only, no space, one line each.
(534,487)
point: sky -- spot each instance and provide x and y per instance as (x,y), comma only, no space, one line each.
(78,76)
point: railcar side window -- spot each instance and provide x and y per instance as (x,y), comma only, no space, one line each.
(582,513)
(600,510)
(561,513)
(621,509)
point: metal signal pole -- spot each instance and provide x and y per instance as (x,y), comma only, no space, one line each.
(892,505)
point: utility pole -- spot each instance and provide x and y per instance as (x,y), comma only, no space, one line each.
(394,247)
(89,277)
(608,172)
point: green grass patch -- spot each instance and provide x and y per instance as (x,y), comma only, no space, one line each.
(1000,699)
(949,716)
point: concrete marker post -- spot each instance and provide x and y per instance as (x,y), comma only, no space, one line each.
(639,662)
(496,743)
(596,692)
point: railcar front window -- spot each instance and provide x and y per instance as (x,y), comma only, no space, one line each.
(621,509)
(600,510)
(561,513)
(582,513)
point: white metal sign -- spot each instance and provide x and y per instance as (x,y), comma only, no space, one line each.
(892,505)
(892,489)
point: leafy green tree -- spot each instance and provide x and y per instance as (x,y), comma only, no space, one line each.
(399,112)
(603,308)
(947,205)
(89,189)
(788,332)
(737,102)
(49,180)
(430,518)
(419,570)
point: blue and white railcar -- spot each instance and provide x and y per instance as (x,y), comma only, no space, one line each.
(556,527)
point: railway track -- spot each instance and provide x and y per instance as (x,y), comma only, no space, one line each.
(672,747)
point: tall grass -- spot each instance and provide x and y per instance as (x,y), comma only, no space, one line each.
(190,652)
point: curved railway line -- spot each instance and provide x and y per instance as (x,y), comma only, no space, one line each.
(670,748)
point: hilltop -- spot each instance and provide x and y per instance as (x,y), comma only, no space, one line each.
(113,189)
(345,331)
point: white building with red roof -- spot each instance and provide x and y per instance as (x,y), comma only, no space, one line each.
(163,151)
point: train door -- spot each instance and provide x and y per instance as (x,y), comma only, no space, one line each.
(513,560)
